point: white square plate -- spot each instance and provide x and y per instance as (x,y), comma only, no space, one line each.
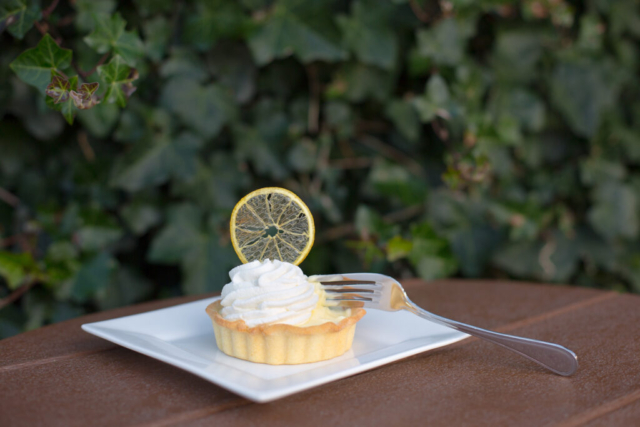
(183,336)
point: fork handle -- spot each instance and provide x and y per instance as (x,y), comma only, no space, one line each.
(554,357)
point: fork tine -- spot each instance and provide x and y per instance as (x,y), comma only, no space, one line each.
(344,291)
(349,282)
(349,291)
(353,296)
(367,288)
(351,286)
(378,278)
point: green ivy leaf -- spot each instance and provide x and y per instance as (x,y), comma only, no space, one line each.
(591,36)
(436,100)
(362,82)
(216,184)
(18,16)
(184,63)
(597,170)
(37,306)
(85,97)
(34,66)
(521,105)
(530,258)
(615,210)
(110,34)
(16,268)
(214,20)
(205,267)
(12,320)
(472,246)
(405,118)
(398,248)
(140,217)
(156,33)
(583,91)
(517,53)
(430,253)
(297,27)
(437,90)
(445,42)
(131,126)
(302,157)
(234,69)
(368,222)
(126,287)
(368,34)
(93,277)
(87,9)
(397,182)
(98,237)
(152,163)
(118,77)
(176,239)
(204,261)
(61,262)
(339,116)
(205,109)
(519,258)
(99,121)
(151,7)
(59,96)
(64,311)
(251,145)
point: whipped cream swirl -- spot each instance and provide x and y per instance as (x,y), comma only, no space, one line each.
(268,292)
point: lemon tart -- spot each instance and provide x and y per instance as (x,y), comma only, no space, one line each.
(271,313)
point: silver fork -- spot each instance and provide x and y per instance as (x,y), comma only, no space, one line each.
(381,292)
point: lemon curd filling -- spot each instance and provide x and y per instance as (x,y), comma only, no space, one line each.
(322,314)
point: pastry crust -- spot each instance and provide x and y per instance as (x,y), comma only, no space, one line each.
(279,344)
(213,310)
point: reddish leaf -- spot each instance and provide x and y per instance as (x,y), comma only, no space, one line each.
(58,89)
(85,97)
(128,88)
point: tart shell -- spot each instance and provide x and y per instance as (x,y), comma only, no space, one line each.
(279,344)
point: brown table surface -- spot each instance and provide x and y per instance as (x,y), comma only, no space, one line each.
(60,375)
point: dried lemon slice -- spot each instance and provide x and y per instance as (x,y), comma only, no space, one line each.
(272,223)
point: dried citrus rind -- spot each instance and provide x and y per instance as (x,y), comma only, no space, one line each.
(272,223)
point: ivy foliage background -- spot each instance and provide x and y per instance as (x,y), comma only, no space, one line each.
(462,138)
